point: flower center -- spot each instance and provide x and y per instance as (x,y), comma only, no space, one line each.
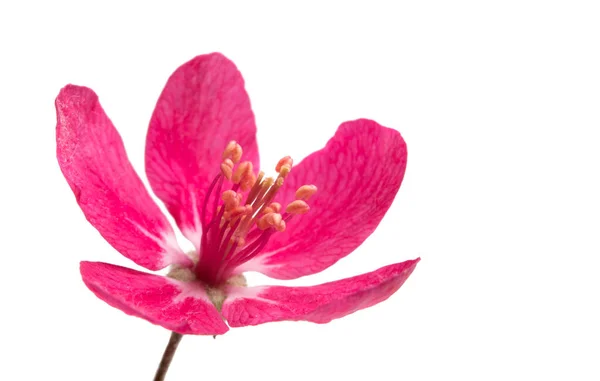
(238,222)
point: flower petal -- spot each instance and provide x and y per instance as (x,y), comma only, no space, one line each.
(318,304)
(174,305)
(92,158)
(358,174)
(203,106)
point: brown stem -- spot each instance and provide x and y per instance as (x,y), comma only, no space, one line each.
(168,356)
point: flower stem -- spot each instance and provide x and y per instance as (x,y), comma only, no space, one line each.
(168,356)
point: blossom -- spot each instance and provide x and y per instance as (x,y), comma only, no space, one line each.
(202,162)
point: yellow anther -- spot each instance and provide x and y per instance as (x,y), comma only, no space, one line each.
(286,162)
(271,220)
(279,182)
(243,210)
(281,226)
(275,206)
(228,195)
(231,199)
(297,207)
(247,181)
(243,168)
(227,168)
(284,171)
(266,221)
(262,223)
(305,192)
(248,207)
(233,151)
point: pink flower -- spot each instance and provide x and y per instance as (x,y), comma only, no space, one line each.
(237,218)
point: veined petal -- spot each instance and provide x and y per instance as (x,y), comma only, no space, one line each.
(174,305)
(357,174)
(318,304)
(92,158)
(203,106)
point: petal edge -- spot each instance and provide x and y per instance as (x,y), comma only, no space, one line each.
(317,304)
(93,160)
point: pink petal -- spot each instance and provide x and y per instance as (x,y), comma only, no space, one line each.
(318,304)
(92,158)
(174,305)
(358,174)
(203,106)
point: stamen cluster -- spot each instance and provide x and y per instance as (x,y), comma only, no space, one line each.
(243,218)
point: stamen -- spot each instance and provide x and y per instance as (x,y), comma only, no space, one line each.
(275,207)
(251,250)
(271,220)
(265,186)
(241,171)
(244,210)
(273,190)
(305,192)
(225,243)
(297,207)
(233,151)
(247,181)
(231,199)
(284,166)
(256,187)
(227,168)
(239,229)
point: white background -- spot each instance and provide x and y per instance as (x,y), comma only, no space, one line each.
(499,103)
